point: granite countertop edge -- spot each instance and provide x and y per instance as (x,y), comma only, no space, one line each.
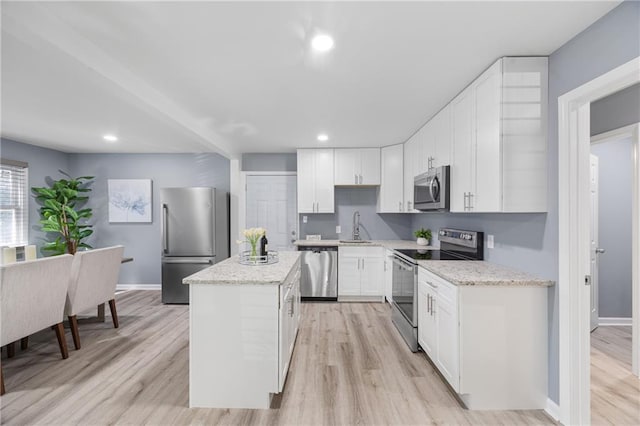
(492,275)
(231,272)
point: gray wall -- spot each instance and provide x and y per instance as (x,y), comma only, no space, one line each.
(617,110)
(614,224)
(269,163)
(43,164)
(608,43)
(142,240)
(373,226)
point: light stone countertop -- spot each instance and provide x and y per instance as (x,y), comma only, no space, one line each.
(230,271)
(389,244)
(481,273)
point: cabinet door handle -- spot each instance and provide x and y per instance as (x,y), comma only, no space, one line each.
(360,179)
(470,201)
(409,203)
(466,205)
(428,301)
(431,307)
(399,206)
(363,263)
(355,176)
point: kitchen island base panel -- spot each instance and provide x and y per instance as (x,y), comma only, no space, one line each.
(233,351)
(503,347)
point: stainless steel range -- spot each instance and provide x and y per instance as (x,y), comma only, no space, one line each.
(455,244)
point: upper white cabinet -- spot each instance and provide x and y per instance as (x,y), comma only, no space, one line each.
(391,194)
(357,166)
(411,159)
(499,149)
(440,152)
(315,181)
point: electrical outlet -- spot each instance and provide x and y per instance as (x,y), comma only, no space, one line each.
(304,219)
(490,242)
(338,229)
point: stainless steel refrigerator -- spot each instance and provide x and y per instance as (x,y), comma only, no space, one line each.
(195,235)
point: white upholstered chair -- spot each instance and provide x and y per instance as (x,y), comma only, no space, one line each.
(32,298)
(94,276)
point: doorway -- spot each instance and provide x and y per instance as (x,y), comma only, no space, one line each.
(575,240)
(612,382)
(271,204)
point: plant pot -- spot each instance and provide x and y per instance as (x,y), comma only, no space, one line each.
(422,242)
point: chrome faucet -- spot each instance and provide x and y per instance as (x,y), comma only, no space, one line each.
(355,235)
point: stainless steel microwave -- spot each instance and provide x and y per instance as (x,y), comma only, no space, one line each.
(431,190)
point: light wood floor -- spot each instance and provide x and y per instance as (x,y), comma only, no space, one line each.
(615,391)
(350,366)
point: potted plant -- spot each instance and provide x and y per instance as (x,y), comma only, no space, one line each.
(61,213)
(423,236)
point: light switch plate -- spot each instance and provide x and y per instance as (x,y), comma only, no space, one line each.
(490,241)
(338,229)
(304,219)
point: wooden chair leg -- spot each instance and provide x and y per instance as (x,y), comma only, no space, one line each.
(24,343)
(62,341)
(1,381)
(11,349)
(114,314)
(75,333)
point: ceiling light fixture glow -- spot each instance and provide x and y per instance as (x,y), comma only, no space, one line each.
(322,137)
(322,42)
(110,138)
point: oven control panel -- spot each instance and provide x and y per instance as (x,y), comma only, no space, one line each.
(459,237)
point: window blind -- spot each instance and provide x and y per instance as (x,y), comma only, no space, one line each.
(14,220)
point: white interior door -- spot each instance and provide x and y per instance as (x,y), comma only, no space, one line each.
(594,242)
(271,204)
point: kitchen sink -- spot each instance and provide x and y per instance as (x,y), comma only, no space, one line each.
(355,241)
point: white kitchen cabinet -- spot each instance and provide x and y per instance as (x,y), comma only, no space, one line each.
(488,342)
(360,273)
(289,313)
(411,157)
(446,312)
(463,150)
(441,154)
(427,327)
(357,166)
(315,181)
(388,275)
(391,193)
(499,145)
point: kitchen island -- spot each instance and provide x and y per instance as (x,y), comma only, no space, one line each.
(243,322)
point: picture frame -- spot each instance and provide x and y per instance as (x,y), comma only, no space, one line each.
(130,200)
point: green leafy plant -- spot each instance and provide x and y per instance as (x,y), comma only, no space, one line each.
(423,233)
(61,213)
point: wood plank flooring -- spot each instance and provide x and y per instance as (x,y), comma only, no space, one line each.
(350,366)
(615,391)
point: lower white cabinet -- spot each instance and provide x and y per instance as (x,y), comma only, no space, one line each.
(488,342)
(360,273)
(388,275)
(289,319)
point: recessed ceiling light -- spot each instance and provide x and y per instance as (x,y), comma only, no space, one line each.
(323,137)
(322,42)
(110,138)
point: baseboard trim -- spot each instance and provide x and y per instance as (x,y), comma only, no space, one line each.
(552,409)
(124,287)
(604,321)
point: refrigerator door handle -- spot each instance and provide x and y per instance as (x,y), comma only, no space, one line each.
(189,261)
(165,235)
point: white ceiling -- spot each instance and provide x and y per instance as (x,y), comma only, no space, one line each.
(240,77)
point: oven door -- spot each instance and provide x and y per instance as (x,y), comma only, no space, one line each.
(404,289)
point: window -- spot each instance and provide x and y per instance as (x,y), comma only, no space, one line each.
(13,203)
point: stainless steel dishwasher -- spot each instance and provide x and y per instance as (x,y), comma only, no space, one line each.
(319,273)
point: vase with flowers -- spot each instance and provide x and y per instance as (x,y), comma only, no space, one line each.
(253,236)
